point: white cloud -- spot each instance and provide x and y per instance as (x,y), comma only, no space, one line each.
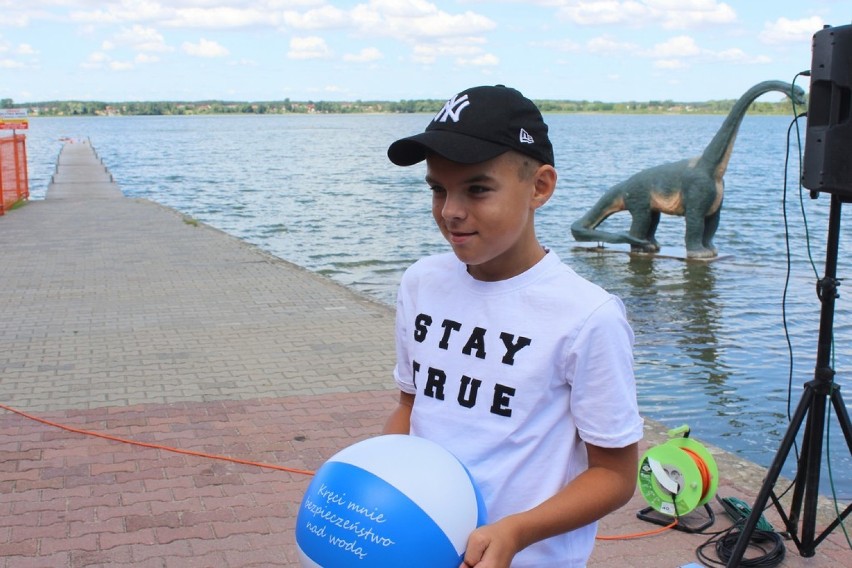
(677,52)
(680,46)
(605,12)
(424,55)
(784,31)
(139,38)
(244,62)
(211,14)
(25,49)
(22,49)
(736,55)
(484,60)
(366,55)
(670,14)
(96,60)
(413,20)
(120,65)
(204,48)
(680,51)
(310,47)
(223,17)
(681,14)
(324,17)
(10,64)
(606,45)
(459,48)
(670,64)
(15,20)
(122,11)
(566,45)
(144,58)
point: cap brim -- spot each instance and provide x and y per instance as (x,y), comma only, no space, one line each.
(455,147)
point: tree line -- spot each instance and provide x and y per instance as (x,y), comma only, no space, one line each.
(147,108)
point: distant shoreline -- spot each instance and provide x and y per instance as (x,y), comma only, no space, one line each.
(180,108)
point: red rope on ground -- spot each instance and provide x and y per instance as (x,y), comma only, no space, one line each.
(153,446)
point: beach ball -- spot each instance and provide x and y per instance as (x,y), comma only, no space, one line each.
(389,501)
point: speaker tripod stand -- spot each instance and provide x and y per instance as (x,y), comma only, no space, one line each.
(811,411)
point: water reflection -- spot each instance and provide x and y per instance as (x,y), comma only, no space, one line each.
(701,313)
(679,301)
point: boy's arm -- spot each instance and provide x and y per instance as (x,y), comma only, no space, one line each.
(608,484)
(399,422)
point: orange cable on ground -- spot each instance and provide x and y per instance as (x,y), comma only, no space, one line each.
(154,446)
(246,462)
(672,525)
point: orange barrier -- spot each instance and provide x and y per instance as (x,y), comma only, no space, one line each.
(14,183)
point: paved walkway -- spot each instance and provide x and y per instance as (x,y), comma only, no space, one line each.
(123,317)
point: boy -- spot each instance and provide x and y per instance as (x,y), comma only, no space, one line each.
(505,356)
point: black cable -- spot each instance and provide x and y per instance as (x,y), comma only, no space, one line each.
(793,123)
(789,270)
(769,543)
(801,192)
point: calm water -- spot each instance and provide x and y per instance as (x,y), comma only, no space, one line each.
(710,340)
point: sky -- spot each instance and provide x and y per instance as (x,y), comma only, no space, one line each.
(390,50)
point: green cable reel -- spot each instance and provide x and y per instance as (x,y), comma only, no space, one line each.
(678,476)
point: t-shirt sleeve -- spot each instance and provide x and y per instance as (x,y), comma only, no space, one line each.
(603,398)
(403,372)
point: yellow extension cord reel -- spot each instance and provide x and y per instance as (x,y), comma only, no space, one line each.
(675,478)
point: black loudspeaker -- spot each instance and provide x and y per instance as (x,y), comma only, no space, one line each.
(828,143)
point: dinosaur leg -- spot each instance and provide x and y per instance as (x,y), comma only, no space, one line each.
(711,223)
(695,231)
(643,224)
(652,230)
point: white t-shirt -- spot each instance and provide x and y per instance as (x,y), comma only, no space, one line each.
(512,377)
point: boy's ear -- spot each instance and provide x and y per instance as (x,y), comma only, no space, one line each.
(545,183)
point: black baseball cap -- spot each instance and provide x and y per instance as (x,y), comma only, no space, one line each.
(477,125)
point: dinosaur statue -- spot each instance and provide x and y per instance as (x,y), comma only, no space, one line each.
(692,188)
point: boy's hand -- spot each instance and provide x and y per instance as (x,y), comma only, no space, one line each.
(575,505)
(491,546)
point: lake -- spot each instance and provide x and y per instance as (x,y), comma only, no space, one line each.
(712,345)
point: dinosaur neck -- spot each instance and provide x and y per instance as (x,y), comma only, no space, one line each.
(720,147)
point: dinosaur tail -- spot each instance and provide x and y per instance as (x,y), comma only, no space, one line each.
(582,233)
(585,228)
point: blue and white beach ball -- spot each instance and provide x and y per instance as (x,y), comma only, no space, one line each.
(389,501)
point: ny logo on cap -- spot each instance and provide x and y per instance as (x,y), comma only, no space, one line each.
(452,109)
